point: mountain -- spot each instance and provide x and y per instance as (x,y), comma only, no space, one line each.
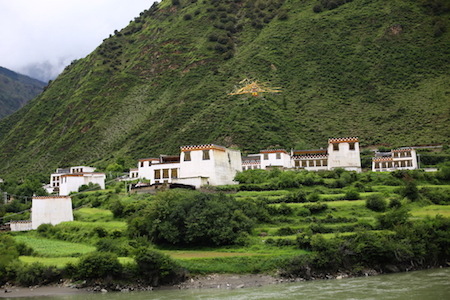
(374,69)
(16,90)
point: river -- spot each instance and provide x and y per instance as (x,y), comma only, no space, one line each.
(419,285)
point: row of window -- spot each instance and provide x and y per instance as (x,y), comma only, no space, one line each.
(392,164)
(165,173)
(250,167)
(311,163)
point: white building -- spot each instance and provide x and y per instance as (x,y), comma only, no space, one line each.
(65,181)
(196,165)
(344,153)
(340,153)
(397,159)
(311,160)
(46,210)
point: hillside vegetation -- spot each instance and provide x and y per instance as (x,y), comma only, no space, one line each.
(293,224)
(16,90)
(374,69)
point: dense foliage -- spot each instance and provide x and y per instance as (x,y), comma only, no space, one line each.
(181,218)
(374,69)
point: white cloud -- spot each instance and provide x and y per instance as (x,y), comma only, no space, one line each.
(55,32)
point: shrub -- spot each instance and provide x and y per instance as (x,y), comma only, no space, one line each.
(303,212)
(89,187)
(187,17)
(156,267)
(316,207)
(285,231)
(100,231)
(410,190)
(96,265)
(376,202)
(395,203)
(393,218)
(46,230)
(352,194)
(313,197)
(37,274)
(317,8)
(284,210)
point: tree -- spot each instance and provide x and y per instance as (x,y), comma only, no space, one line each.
(191,218)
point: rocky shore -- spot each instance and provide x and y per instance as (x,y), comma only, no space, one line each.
(210,281)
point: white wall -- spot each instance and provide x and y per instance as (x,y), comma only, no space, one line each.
(220,168)
(52,210)
(344,157)
(71,182)
(284,159)
(20,225)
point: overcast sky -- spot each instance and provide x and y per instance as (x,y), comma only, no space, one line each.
(40,37)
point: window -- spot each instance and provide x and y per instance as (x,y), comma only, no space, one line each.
(205,154)
(352,146)
(278,155)
(174,173)
(297,163)
(165,173)
(142,164)
(187,156)
(157,174)
(266,156)
(336,147)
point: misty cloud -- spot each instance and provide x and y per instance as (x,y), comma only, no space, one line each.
(40,38)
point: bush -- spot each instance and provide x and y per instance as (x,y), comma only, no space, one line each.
(156,267)
(96,265)
(317,8)
(376,202)
(393,218)
(352,194)
(410,190)
(316,207)
(37,274)
(89,187)
(285,231)
(284,210)
(313,197)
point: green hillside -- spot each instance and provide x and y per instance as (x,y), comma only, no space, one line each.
(16,90)
(375,69)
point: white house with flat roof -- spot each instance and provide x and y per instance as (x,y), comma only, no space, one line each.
(56,179)
(340,153)
(397,159)
(197,165)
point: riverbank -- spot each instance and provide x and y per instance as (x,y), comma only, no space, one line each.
(210,281)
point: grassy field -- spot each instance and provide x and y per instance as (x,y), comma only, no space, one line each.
(54,248)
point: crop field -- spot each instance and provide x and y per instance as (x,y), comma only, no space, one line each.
(54,248)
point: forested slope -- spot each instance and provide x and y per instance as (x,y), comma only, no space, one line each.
(374,69)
